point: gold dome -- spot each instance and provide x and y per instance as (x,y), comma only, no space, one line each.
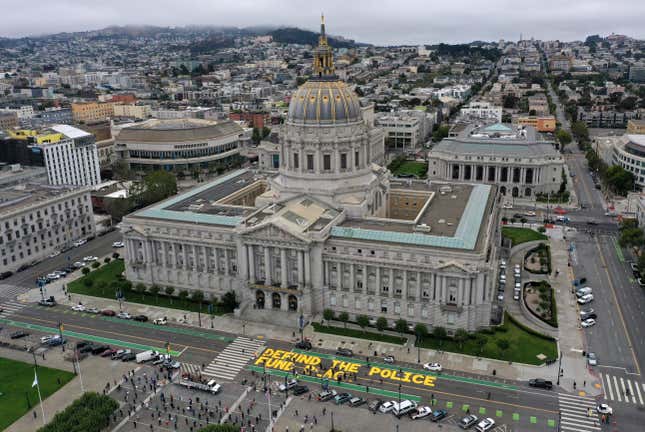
(324,102)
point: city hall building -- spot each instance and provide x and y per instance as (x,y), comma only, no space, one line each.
(332,229)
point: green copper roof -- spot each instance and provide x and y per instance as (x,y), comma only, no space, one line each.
(497,127)
(159,211)
(465,236)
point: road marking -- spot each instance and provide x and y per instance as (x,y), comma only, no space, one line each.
(611,391)
(638,390)
(618,396)
(631,391)
(622,384)
(620,313)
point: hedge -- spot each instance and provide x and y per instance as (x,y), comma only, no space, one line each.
(89,413)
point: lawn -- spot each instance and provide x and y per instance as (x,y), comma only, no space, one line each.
(408,167)
(16,391)
(360,334)
(523,345)
(522,235)
(102,286)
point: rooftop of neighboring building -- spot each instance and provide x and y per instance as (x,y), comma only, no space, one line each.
(13,199)
(176,130)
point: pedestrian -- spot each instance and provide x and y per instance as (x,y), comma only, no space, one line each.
(584,383)
(35,414)
(135,424)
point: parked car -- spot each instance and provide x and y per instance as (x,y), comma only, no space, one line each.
(341,398)
(108,312)
(388,359)
(87,348)
(288,385)
(346,352)
(140,318)
(468,421)
(120,353)
(299,389)
(160,321)
(587,298)
(5,275)
(124,315)
(304,344)
(386,407)
(45,339)
(56,341)
(588,314)
(108,352)
(374,405)
(92,310)
(18,334)
(118,244)
(583,291)
(541,383)
(90,258)
(79,264)
(433,367)
(82,344)
(438,415)
(80,242)
(53,276)
(356,401)
(78,308)
(588,323)
(128,357)
(50,302)
(421,412)
(592,360)
(485,425)
(100,349)
(326,395)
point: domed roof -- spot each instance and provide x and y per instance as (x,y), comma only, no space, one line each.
(324,101)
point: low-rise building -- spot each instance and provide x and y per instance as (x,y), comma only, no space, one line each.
(636,126)
(629,153)
(8,120)
(541,124)
(92,111)
(37,220)
(481,110)
(402,132)
(512,158)
(132,111)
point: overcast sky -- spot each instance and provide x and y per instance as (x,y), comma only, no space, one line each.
(372,21)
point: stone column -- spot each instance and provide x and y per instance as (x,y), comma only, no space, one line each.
(391,276)
(419,287)
(365,278)
(283,268)
(379,287)
(404,290)
(226,262)
(307,269)
(194,257)
(352,276)
(301,270)
(184,248)
(267,266)
(251,261)
(339,275)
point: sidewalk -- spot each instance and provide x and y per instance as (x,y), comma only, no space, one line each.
(92,381)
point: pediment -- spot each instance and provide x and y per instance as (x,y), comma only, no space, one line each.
(453,267)
(274,233)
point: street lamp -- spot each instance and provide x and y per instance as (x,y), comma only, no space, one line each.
(332,422)
(559,369)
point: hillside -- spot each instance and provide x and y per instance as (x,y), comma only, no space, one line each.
(305,37)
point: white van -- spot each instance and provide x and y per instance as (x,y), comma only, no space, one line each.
(403,408)
(584,291)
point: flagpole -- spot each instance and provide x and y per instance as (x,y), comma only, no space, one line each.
(42,408)
(270,413)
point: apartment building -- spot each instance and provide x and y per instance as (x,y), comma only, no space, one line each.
(92,111)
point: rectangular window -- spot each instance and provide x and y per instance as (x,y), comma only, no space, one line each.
(327,162)
(356,160)
(296,161)
(343,161)
(310,162)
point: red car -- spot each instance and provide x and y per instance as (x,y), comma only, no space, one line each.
(108,312)
(108,352)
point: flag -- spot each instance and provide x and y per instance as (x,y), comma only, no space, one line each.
(35,383)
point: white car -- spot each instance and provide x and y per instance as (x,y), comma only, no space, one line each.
(502,276)
(78,308)
(53,276)
(518,286)
(290,384)
(124,315)
(92,310)
(485,425)
(603,408)
(45,339)
(386,407)
(433,367)
(118,244)
(54,254)
(90,258)
(588,322)
(507,205)
(80,242)
(587,298)
(160,321)
(530,213)
(422,412)
(79,264)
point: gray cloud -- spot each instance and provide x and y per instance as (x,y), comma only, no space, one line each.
(374,21)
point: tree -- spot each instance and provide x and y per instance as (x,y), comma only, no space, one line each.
(121,171)
(503,345)
(480,341)
(460,337)
(256,136)
(85,270)
(157,185)
(629,103)
(440,133)
(169,290)
(229,301)
(619,180)
(381,324)
(421,330)
(118,207)
(563,136)
(96,264)
(362,321)
(328,315)
(154,290)
(107,260)
(510,101)
(198,297)
(631,237)
(115,255)
(580,131)
(523,220)
(343,317)
(401,326)
(439,333)
(183,295)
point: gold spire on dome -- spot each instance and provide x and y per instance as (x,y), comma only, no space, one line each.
(323,66)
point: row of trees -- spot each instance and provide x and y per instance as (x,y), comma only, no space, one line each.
(90,412)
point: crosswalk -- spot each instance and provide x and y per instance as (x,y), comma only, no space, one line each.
(191,369)
(11,291)
(622,389)
(234,358)
(578,413)
(10,307)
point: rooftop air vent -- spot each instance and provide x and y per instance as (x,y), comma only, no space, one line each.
(422,228)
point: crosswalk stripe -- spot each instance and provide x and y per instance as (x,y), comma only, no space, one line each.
(577,404)
(631,391)
(577,429)
(622,383)
(574,397)
(232,359)
(611,391)
(591,426)
(638,390)
(620,399)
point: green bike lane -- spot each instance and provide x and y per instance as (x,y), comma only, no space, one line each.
(517,407)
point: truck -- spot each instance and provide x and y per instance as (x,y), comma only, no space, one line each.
(195,383)
(146,356)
